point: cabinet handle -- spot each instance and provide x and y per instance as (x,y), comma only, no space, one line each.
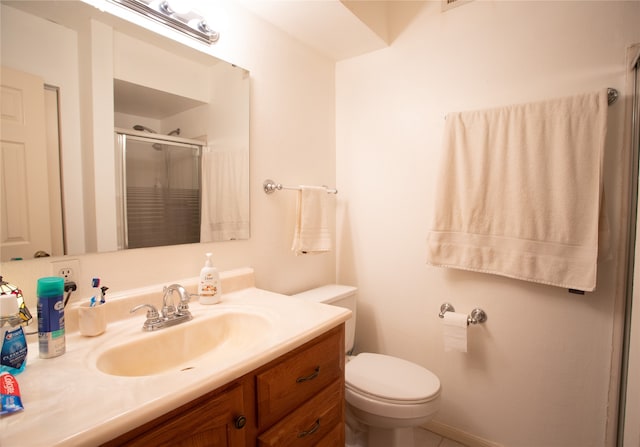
(240,422)
(311,431)
(311,376)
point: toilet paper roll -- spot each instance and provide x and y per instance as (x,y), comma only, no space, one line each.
(454,327)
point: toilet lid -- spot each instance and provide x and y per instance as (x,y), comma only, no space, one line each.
(390,378)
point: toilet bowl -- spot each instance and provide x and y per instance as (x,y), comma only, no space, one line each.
(389,396)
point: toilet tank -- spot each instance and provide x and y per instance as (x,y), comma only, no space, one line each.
(341,296)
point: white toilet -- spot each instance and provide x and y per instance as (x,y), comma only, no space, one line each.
(390,396)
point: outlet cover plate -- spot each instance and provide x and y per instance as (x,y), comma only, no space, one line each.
(70,265)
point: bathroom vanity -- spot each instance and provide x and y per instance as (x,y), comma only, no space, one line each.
(273,376)
(297,398)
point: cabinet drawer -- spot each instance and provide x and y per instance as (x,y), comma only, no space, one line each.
(283,387)
(317,422)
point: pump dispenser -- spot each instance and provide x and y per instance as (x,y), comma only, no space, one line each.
(209,288)
(13,346)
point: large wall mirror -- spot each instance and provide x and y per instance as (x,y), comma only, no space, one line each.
(108,91)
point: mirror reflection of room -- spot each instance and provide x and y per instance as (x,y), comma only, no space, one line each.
(139,79)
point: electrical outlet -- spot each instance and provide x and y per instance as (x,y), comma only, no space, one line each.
(69,269)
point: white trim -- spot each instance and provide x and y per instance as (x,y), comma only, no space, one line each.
(457,435)
(631,434)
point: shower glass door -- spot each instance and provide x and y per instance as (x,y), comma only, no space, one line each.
(160,192)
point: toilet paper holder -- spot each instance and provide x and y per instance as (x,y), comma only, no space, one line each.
(476,316)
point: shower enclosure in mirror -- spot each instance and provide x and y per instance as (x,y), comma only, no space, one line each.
(159,194)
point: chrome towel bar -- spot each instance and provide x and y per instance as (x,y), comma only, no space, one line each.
(269,187)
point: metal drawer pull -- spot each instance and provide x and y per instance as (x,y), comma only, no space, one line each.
(311,431)
(311,376)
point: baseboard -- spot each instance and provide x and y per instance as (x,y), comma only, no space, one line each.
(460,436)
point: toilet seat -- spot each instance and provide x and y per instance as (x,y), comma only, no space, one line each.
(390,379)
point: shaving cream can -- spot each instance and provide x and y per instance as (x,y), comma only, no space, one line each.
(51,337)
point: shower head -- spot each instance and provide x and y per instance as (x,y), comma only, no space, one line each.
(143,128)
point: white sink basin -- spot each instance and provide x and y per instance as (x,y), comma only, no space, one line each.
(205,339)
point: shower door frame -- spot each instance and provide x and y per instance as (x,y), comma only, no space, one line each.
(629,403)
(121,137)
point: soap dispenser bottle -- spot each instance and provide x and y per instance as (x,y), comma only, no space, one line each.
(13,349)
(209,288)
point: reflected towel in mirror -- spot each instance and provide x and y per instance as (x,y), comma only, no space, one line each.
(225,193)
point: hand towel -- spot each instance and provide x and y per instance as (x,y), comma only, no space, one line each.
(312,233)
(520,191)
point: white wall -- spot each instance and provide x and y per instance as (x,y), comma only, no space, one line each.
(541,371)
(292,141)
(144,64)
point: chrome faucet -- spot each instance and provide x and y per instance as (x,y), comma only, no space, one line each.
(183,306)
(170,315)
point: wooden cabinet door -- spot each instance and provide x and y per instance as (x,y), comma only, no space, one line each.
(215,421)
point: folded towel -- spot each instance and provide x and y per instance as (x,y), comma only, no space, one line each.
(520,192)
(312,231)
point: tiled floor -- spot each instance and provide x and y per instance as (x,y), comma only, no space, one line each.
(426,438)
(423,438)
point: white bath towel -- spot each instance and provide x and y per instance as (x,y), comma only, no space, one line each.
(520,191)
(312,233)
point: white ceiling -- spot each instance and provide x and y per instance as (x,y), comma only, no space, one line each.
(333,27)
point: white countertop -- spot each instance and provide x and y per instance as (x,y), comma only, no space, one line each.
(69,402)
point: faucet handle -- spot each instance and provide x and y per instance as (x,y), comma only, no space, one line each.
(185,297)
(153,317)
(183,307)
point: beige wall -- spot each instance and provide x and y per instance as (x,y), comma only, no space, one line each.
(540,371)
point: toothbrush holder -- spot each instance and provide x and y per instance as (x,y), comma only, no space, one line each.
(92,321)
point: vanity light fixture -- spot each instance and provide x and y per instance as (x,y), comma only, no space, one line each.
(166,12)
